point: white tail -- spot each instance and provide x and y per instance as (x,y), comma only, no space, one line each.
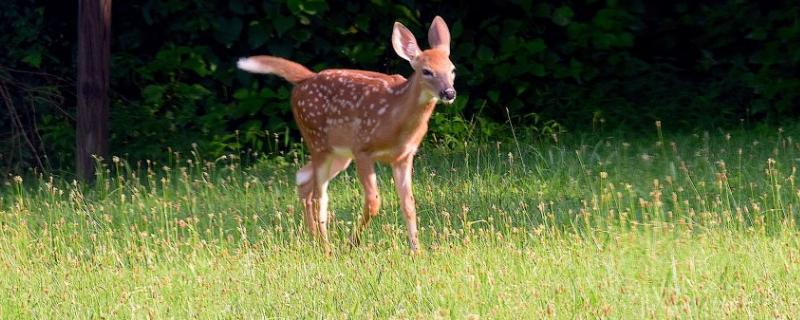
(367,116)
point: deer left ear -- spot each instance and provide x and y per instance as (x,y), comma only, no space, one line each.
(439,35)
(404,43)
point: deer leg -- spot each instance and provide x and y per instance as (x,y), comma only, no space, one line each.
(372,202)
(401,171)
(324,172)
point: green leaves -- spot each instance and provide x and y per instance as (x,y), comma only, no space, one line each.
(227,30)
(173,59)
(257,34)
(563,16)
(309,7)
(535,46)
(153,94)
(363,53)
(191,91)
(283,24)
(485,53)
(33,58)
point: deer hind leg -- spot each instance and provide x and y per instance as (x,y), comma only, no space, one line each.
(372,202)
(324,171)
(306,186)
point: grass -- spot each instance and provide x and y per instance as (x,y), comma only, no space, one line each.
(697,225)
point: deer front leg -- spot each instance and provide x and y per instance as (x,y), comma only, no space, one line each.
(372,202)
(320,207)
(305,190)
(401,171)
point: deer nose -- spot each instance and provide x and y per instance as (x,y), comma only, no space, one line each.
(448,94)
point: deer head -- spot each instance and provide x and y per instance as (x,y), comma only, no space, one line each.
(433,66)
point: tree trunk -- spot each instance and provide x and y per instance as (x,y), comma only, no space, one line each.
(94,30)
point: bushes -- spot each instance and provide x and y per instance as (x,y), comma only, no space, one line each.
(567,64)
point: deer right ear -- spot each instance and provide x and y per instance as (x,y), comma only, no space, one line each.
(439,35)
(404,42)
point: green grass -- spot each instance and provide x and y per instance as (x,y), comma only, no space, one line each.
(700,226)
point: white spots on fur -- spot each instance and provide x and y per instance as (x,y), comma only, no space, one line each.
(349,102)
(360,101)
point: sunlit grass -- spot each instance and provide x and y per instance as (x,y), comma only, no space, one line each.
(692,225)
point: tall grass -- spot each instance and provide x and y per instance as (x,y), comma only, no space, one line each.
(695,225)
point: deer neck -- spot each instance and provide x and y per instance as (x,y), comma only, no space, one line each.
(415,105)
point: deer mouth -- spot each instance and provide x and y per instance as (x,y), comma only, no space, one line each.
(448,101)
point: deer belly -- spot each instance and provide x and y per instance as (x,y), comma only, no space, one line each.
(395,154)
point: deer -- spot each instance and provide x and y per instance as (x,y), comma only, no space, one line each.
(346,115)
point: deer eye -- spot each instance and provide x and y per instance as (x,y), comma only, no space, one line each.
(427,72)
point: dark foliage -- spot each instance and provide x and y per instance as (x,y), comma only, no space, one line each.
(546,65)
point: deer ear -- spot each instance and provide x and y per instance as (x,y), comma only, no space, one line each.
(404,42)
(439,35)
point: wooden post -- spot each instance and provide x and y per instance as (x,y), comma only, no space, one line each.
(94,31)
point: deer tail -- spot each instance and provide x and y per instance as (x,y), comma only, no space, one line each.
(289,70)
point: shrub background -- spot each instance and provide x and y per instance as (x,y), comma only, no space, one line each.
(555,65)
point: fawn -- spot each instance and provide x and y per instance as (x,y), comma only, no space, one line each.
(367,116)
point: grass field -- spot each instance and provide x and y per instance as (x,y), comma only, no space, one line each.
(603,226)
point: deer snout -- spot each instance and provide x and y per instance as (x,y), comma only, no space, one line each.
(448,95)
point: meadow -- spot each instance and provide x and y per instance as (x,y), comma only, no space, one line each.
(603,225)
